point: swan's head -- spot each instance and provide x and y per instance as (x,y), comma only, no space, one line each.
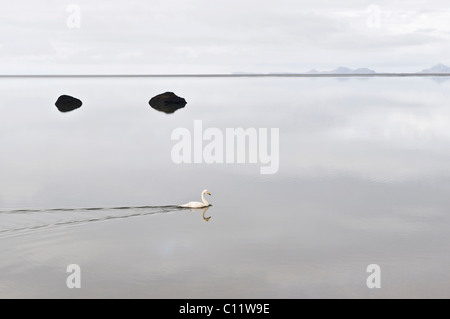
(206,192)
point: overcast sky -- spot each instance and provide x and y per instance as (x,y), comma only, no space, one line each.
(208,36)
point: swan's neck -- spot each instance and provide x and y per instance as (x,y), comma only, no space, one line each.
(204,200)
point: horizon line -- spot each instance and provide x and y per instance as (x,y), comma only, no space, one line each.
(119,75)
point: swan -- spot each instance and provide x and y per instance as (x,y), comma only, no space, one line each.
(198,204)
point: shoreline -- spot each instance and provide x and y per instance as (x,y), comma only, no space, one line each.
(299,75)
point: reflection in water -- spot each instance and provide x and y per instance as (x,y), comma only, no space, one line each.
(206,219)
(364,164)
(203,215)
(203,210)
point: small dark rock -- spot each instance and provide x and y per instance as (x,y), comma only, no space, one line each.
(67,103)
(167,102)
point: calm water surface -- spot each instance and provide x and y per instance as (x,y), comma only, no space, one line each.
(364,178)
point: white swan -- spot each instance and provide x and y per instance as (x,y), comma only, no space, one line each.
(198,204)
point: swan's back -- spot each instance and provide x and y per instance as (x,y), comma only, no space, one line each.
(194,205)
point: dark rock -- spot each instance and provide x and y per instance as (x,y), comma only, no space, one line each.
(67,103)
(167,102)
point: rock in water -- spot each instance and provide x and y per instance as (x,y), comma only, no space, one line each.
(167,102)
(67,103)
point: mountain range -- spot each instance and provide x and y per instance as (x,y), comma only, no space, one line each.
(436,69)
(343,70)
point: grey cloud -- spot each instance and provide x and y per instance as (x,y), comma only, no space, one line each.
(231,35)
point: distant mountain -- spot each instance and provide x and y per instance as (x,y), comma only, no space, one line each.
(438,68)
(363,71)
(343,70)
(313,71)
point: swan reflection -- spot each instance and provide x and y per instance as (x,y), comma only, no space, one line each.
(203,210)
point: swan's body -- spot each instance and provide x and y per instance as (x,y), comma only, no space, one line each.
(202,204)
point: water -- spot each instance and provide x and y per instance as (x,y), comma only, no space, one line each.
(363,179)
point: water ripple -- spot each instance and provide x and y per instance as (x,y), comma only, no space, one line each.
(12,221)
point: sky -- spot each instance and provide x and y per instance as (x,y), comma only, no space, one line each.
(204,36)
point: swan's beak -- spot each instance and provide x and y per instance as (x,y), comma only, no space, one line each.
(209,193)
